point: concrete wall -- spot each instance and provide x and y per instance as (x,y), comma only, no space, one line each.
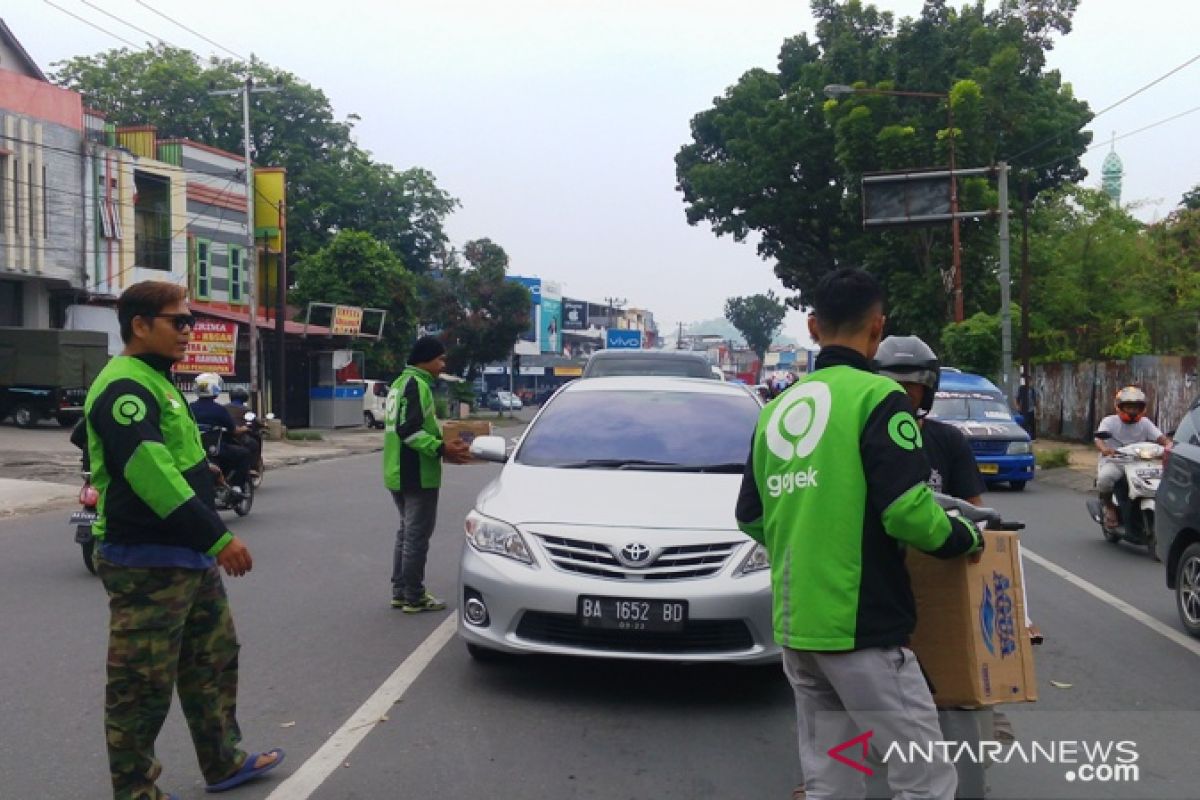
(1076,396)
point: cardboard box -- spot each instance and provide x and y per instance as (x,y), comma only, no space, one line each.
(466,430)
(971,637)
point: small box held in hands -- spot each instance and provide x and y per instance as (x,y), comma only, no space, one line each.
(466,430)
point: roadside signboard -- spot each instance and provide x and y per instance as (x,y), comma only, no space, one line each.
(347,320)
(617,339)
(212,348)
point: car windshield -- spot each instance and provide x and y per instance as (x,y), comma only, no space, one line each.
(975,408)
(669,367)
(642,430)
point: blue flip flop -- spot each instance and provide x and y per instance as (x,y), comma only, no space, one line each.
(248,772)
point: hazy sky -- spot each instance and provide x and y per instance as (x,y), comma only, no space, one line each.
(556,122)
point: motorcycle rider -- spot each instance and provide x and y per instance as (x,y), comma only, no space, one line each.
(233,459)
(1129,425)
(251,440)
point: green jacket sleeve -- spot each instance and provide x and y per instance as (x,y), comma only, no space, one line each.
(897,470)
(410,422)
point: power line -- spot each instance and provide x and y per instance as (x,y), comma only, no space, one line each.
(1143,129)
(1104,110)
(130,24)
(148,7)
(94,25)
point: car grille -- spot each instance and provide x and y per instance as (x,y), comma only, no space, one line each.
(989,447)
(673,563)
(698,636)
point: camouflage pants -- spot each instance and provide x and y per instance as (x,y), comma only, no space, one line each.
(168,627)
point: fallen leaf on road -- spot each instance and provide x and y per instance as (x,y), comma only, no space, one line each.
(1060,685)
(287,724)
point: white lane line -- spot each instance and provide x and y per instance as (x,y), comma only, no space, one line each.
(301,784)
(1178,637)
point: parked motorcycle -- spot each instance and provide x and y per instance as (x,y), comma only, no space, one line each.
(88,498)
(1134,495)
(228,497)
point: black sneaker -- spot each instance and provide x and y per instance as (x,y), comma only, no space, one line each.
(427,603)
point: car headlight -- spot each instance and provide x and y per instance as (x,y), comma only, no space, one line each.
(489,535)
(1019,448)
(756,561)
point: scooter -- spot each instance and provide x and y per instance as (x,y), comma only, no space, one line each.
(83,519)
(254,430)
(228,498)
(1134,495)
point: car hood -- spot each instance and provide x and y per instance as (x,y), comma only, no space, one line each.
(989,429)
(607,497)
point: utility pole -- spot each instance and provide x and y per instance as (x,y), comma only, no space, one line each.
(245,90)
(1005,288)
(1026,278)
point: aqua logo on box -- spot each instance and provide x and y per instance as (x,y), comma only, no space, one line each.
(997,622)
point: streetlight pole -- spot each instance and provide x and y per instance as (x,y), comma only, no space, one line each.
(245,90)
(836,90)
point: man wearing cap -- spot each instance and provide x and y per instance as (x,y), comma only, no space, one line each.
(413,449)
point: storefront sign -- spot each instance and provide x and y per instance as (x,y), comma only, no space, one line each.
(575,315)
(212,348)
(623,339)
(347,320)
(568,372)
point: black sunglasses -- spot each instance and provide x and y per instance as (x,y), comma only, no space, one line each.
(180,321)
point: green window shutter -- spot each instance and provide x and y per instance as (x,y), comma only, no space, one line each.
(203,270)
(236,276)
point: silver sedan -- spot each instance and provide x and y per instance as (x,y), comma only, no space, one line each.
(610,531)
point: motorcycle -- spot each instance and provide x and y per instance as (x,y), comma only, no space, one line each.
(1134,495)
(254,430)
(228,497)
(83,520)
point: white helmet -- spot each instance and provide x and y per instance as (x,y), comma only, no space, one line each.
(208,384)
(1130,396)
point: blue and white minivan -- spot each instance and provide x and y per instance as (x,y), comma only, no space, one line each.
(973,404)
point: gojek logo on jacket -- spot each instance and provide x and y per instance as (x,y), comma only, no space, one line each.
(794,430)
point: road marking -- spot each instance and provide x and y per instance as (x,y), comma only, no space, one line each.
(1178,637)
(301,784)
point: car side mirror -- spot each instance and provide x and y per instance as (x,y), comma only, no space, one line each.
(490,448)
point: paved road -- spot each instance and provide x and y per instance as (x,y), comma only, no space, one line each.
(319,640)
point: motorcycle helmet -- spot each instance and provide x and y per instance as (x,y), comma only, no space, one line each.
(208,384)
(1130,396)
(239,395)
(907,359)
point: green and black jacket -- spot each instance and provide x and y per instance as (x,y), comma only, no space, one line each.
(412,443)
(834,488)
(147,460)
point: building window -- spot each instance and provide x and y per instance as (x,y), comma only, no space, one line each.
(237,276)
(152,221)
(203,270)
(12,303)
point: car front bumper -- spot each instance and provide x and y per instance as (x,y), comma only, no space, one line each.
(1005,468)
(534,610)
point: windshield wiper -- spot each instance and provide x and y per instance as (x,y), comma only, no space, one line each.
(619,463)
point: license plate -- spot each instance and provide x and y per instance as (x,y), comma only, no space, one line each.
(626,614)
(989,469)
(83,517)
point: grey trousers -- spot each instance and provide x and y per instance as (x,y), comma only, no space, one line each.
(418,515)
(881,691)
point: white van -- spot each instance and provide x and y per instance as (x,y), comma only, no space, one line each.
(374,402)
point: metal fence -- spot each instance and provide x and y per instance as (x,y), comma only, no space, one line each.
(1074,397)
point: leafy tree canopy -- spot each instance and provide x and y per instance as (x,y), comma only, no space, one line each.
(357,269)
(481,312)
(758,318)
(776,158)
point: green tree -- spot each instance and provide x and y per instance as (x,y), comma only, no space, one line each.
(357,269)
(973,345)
(479,311)
(332,183)
(1191,199)
(773,157)
(758,318)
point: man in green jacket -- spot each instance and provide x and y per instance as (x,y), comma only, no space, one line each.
(159,546)
(835,488)
(412,471)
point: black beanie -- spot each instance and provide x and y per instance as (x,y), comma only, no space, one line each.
(427,348)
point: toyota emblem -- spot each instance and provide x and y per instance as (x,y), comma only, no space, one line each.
(635,554)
